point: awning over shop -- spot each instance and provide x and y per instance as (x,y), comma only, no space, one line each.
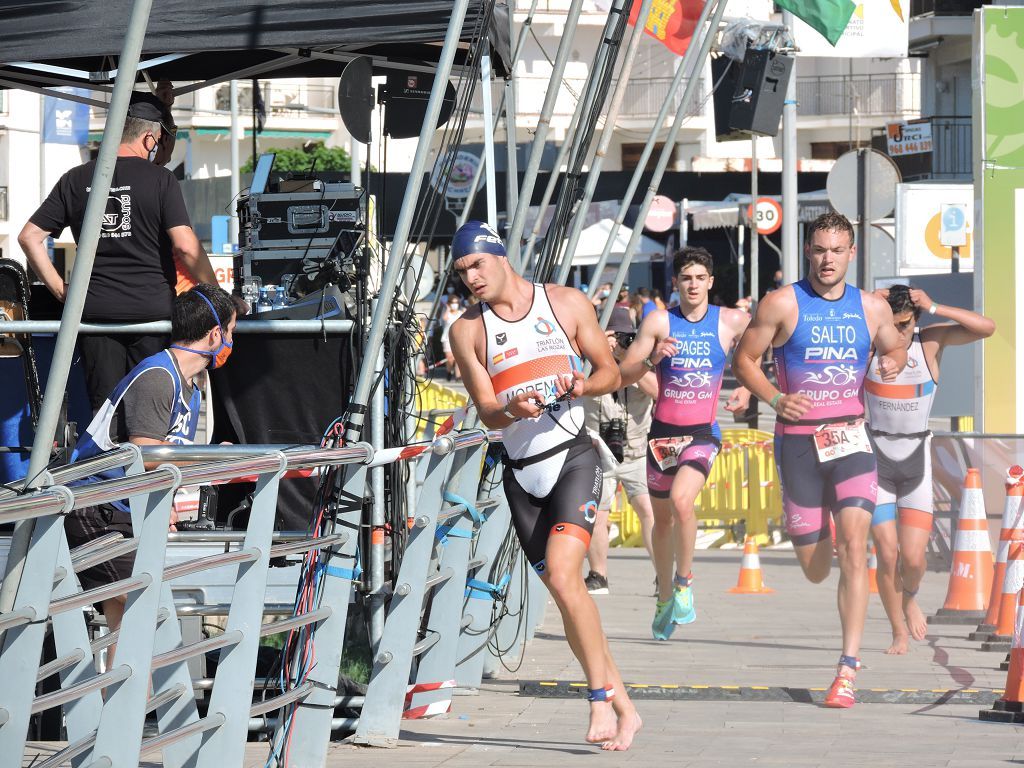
(719,214)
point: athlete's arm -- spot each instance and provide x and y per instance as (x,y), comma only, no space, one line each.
(463,338)
(649,384)
(736,323)
(652,342)
(768,321)
(593,346)
(890,352)
(967,326)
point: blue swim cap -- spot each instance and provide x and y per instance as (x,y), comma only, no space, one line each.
(476,237)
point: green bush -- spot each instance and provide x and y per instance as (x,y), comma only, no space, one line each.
(291,159)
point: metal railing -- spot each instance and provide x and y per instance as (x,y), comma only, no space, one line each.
(453,538)
(952,153)
(643,97)
(859,95)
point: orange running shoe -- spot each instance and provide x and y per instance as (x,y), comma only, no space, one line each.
(841,694)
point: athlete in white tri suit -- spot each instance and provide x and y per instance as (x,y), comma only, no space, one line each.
(687,346)
(521,352)
(898,413)
(822,330)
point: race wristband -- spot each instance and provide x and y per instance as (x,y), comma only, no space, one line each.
(651,365)
(933,308)
(775,401)
(508,413)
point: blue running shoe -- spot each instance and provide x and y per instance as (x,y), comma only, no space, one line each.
(683,611)
(662,626)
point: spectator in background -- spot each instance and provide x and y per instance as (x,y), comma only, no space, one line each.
(618,423)
(658,301)
(647,304)
(452,311)
(146,226)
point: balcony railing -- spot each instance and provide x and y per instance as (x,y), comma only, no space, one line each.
(952,153)
(944,7)
(284,98)
(643,97)
(862,95)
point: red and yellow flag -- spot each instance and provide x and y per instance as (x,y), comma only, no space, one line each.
(671,22)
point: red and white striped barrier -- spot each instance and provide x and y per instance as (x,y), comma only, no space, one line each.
(433,709)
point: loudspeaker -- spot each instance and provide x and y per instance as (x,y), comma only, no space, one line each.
(760,92)
(724,72)
(405,96)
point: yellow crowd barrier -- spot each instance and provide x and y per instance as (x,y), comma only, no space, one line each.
(433,400)
(743,486)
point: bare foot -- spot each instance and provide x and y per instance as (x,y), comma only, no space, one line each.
(916,622)
(629,726)
(899,644)
(602,722)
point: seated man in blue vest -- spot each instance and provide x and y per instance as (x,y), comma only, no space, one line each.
(157,403)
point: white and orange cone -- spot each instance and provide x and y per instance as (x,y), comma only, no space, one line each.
(1010,708)
(1011,533)
(970,580)
(873,571)
(751,581)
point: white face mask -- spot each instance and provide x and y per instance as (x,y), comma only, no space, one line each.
(152,153)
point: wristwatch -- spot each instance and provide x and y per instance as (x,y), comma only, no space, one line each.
(651,365)
(508,413)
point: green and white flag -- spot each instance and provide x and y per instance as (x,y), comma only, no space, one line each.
(829,17)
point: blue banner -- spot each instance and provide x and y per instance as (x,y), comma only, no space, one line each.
(66,122)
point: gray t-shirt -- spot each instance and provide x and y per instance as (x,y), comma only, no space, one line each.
(145,409)
(630,404)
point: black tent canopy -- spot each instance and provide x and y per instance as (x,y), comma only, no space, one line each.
(76,42)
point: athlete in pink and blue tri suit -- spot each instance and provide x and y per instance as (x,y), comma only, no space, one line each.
(687,346)
(822,331)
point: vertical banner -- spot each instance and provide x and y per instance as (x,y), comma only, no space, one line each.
(65,121)
(877,28)
(999,226)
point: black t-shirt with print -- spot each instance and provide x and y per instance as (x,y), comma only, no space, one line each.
(133,277)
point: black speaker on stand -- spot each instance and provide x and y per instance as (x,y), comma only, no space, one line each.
(724,72)
(760,92)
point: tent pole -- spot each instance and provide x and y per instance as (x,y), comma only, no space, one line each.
(549,190)
(652,139)
(755,236)
(510,107)
(74,301)
(236,178)
(515,233)
(666,152)
(392,272)
(594,173)
(488,120)
(790,202)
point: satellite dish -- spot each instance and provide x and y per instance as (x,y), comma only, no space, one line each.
(355,98)
(417,290)
(405,95)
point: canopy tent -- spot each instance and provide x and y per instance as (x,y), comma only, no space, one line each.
(76,42)
(722,214)
(594,238)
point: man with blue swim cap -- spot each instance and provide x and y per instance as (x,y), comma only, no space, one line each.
(521,352)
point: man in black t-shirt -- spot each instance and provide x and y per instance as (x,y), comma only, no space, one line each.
(145,226)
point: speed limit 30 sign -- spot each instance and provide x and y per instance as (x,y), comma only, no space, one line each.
(767,216)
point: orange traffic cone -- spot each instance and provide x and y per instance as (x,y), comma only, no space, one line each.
(873,571)
(970,580)
(1010,532)
(1010,708)
(751,582)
